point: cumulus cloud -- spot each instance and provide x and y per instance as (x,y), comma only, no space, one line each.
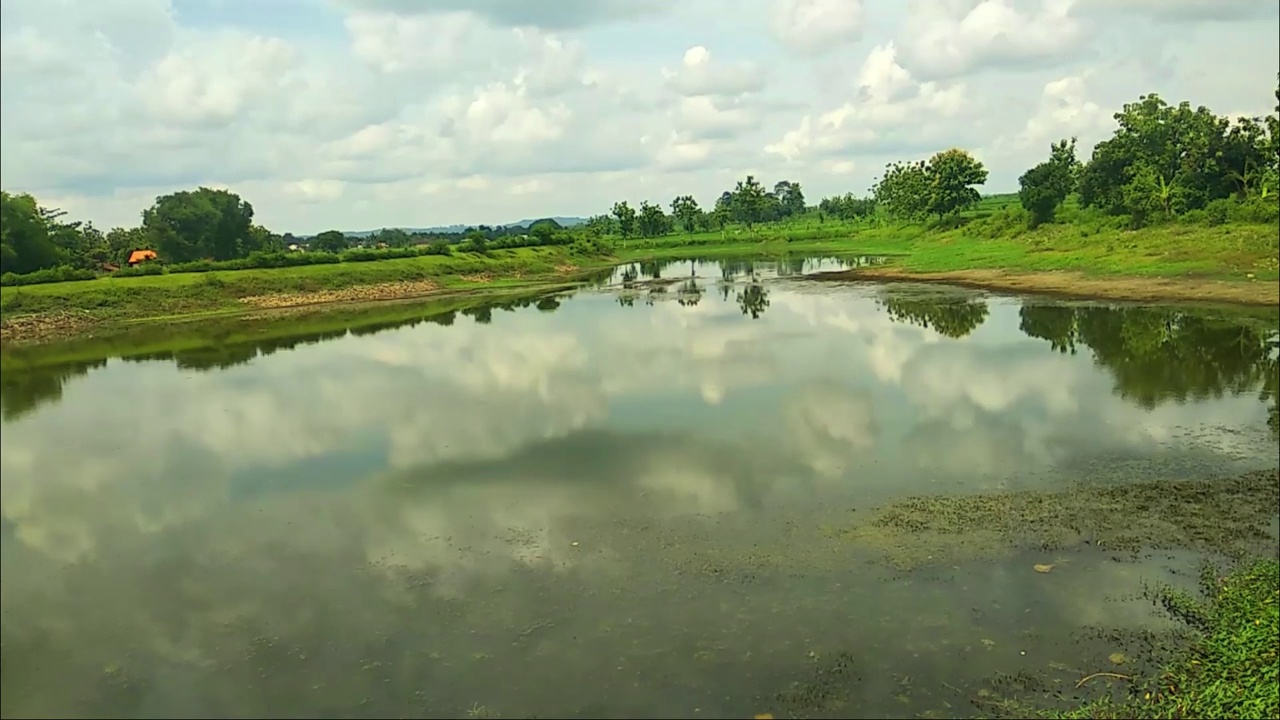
(558,15)
(889,109)
(396,112)
(1065,111)
(1182,11)
(817,26)
(699,76)
(948,38)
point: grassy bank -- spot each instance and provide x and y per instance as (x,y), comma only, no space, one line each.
(59,310)
(1231,671)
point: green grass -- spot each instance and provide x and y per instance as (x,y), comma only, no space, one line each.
(186,294)
(1233,671)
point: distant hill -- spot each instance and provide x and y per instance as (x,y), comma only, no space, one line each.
(563,221)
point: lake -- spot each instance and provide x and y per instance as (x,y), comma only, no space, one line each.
(695,489)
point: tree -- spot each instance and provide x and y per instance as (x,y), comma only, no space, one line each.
(1043,188)
(952,175)
(652,221)
(601,225)
(686,211)
(790,198)
(392,237)
(749,202)
(25,245)
(190,225)
(903,191)
(330,241)
(626,216)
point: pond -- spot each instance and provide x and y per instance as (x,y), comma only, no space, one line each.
(697,489)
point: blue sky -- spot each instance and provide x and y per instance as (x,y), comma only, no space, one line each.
(359,114)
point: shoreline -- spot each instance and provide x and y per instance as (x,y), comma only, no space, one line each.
(1075,285)
(25,329)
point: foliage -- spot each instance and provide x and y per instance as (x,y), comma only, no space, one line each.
(1043,188)
(686,211)
(749,202)
(903,191)
(652,222)
(952,175)
(202,223)
(626,216)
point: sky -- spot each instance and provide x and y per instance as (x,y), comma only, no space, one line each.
(360,114)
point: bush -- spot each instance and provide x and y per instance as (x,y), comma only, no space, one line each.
(1218,211)
(1256,210)
(1194,217)
(146,268)
(62,273)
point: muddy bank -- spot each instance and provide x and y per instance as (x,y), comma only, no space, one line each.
(46,327)
(1079,286)
(359,293)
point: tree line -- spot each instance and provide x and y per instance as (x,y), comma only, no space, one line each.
(207,229)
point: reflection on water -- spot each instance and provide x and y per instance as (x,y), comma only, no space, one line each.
(561,506)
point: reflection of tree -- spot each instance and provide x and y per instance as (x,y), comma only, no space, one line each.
(954,318)
(482,314)
(629,275)
(1157,355)
(22,391)
(1055,323)
(548,304)
(753,299)
(690,293)
(627,300)
(652,269)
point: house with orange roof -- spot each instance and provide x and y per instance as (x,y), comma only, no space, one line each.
(139,256)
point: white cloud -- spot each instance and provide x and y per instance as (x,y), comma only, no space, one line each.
(947,38)
(394,105)
(1065,111)
(816,26)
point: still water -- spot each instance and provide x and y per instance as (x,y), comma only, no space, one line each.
(629,501)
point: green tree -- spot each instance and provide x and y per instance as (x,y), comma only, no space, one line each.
(686,211)
(330,241)
(190,225)
(903,191)
(25,244)
(626,216)
(602,225)
(952,175)
(1044,187)
(393,237)
(749,202)
(652,221)
(790,198)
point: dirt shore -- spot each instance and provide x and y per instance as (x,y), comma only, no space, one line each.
(1077,285)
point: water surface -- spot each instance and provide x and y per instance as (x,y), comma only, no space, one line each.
(623,502)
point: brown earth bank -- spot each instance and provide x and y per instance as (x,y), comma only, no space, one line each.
(1080,286)
(359,293)
(46,326)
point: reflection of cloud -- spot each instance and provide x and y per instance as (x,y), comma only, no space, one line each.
(184,445)
(830,426)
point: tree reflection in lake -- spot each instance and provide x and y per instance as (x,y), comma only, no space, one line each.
(952,317)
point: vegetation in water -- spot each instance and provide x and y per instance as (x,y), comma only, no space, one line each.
(1231,668)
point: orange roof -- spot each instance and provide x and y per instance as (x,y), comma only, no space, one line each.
(140,255)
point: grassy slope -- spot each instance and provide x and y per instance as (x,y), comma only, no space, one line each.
(166,296)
